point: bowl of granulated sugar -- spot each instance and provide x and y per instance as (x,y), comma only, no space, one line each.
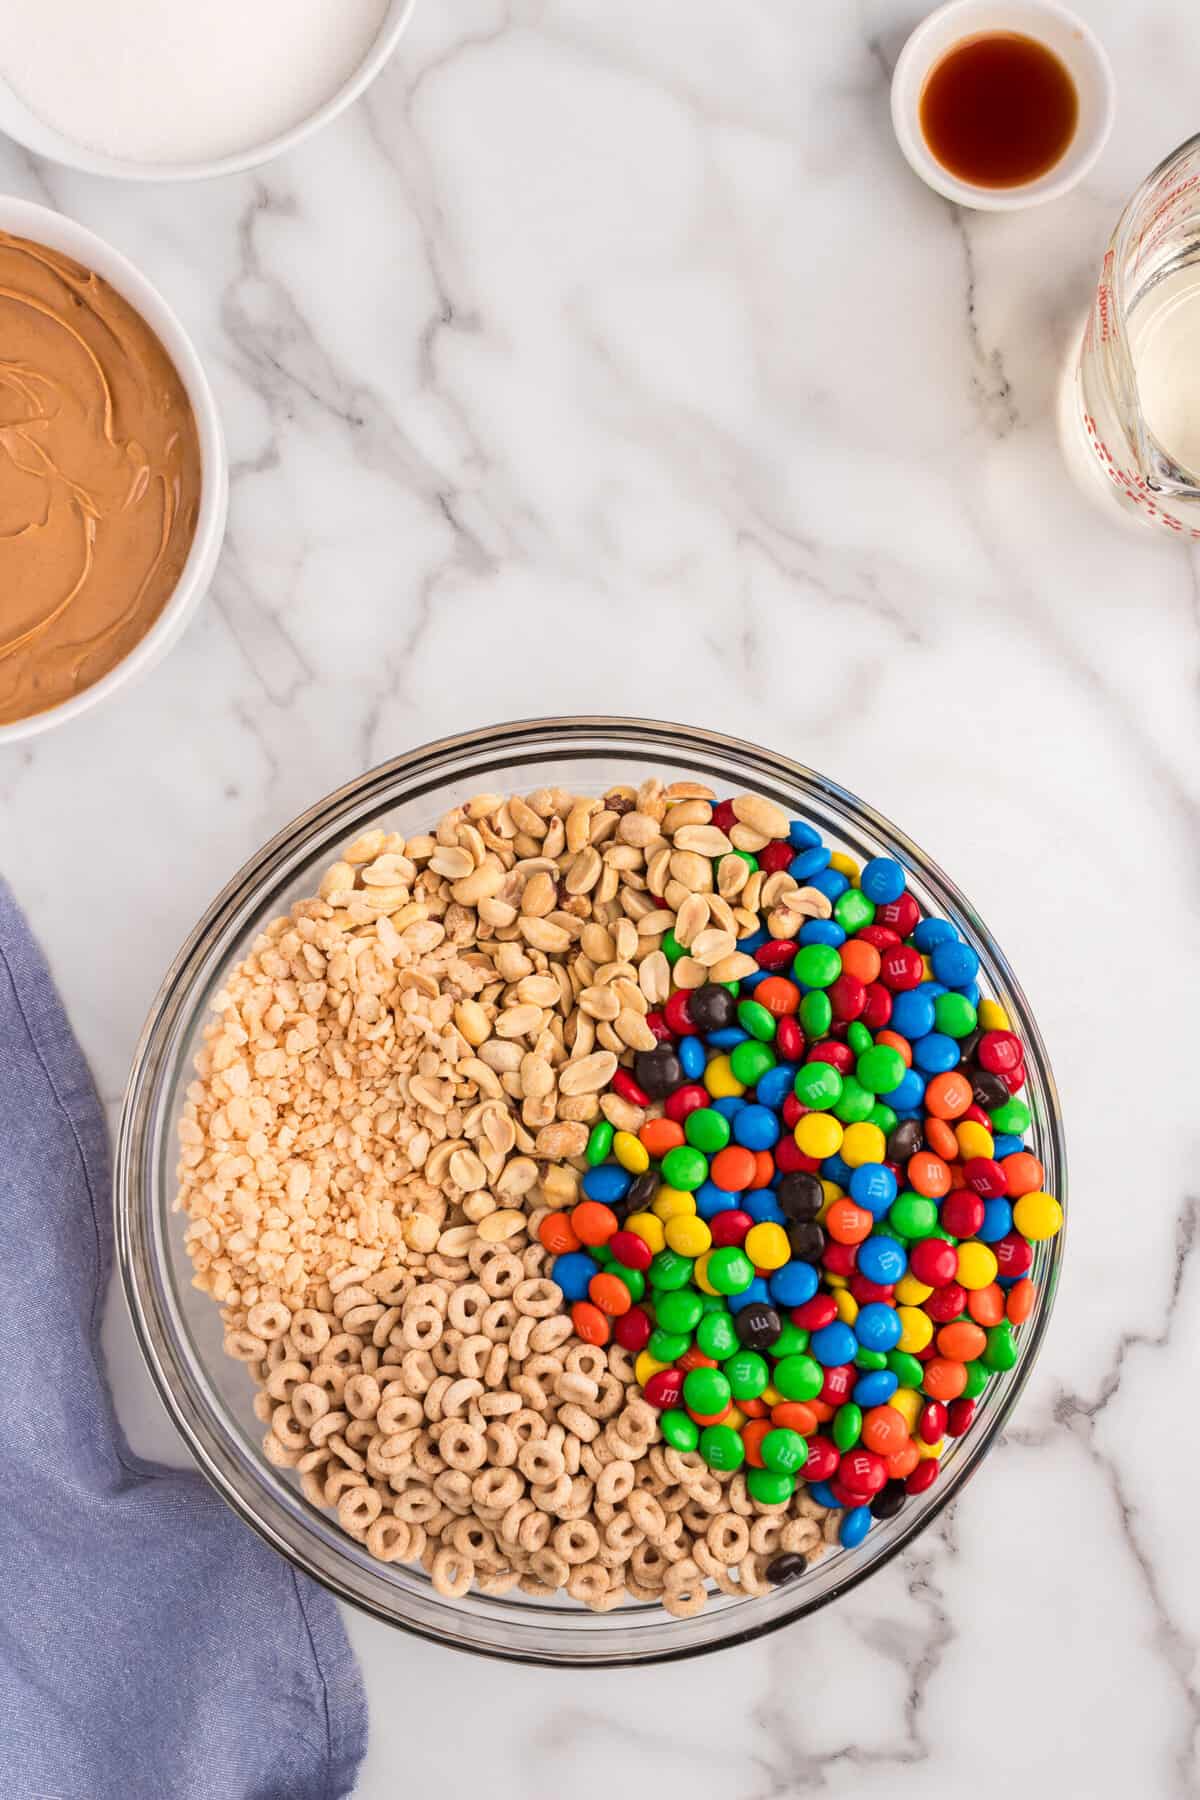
(146,92)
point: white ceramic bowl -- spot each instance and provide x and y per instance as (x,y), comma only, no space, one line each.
(23,219)
(18,122)
(1061,31)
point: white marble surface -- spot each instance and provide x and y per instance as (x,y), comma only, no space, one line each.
(609,358)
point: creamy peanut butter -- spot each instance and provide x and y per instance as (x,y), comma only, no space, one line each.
(99,477)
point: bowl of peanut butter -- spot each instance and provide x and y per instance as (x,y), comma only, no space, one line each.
(113,472)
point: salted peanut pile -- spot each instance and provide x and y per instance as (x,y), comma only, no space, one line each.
(397,1084)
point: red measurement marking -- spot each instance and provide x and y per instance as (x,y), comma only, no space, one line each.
(1163,216)
(1104,297)
(1133,485)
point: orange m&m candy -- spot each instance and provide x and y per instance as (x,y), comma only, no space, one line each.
(589,1322)
(948,1096)
(780,996)
(1020,1301)
(986,1304)
(902,1462)
(860,959)
(796,1415)
(657,1136)
(943,1379)
(593,1222)
(884,1430)
(962,1341)
(764,1169)
(557,1234)
(610,1294)
(733,1169)
(928,1175)
(752,1437)
(848,1223)
(941,1139)
(1023,1172)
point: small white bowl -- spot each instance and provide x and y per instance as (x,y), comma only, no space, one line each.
(17,121)
(1061,31)
(22,218)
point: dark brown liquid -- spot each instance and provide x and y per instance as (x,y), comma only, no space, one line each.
(999,110)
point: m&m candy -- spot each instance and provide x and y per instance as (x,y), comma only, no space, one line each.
(821,1243)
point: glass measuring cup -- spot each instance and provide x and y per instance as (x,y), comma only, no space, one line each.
(1130,410)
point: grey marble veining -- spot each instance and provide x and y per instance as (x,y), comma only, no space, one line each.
(612,359)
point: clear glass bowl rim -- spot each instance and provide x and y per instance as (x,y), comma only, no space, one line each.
(539,1634)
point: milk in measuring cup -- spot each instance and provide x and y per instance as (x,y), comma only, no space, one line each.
(1130,408)
(1164,342)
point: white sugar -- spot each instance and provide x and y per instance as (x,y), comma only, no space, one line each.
(179,81)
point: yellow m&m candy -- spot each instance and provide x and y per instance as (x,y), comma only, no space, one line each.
(977,1266)
(818,1135)
(767,1246)
(1038,1216)
(687,1236)
(916,1329)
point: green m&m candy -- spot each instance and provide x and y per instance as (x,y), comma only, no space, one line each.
(748,1374)
(914,1216)
(1012,1118)
(852,910)
(722,1447)
(799,1377)
(754,1018)
(599,1143)
(730,1270)
(978,1377)
(818,1086)
(907,1369)
(706,1129)
(770,1487)
(633,1279)
(847,1425)
(816,1013)
(670,1270)
(792,1341)
(750,1061)
(954,1015)
(706,1391)
(880,1069)
(784,1451)
(680,1311)
(1001,1350)
(680,1432)
(816,965)
(716,1336)
(665,1346)
(685,1168)
(855,1103)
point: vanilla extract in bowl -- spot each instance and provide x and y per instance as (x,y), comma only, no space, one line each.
(999,109)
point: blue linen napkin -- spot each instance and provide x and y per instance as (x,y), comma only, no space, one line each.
(151,1647)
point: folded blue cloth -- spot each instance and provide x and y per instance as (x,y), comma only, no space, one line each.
(151,1648)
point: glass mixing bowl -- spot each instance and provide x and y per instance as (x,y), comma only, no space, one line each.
(209,1396)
